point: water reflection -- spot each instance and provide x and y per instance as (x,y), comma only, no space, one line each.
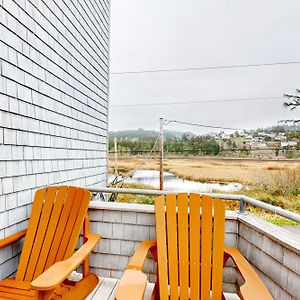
(174,183)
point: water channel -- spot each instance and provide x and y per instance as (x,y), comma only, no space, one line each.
(174,183)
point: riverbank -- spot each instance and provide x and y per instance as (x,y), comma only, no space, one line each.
(246,172)
(274,182)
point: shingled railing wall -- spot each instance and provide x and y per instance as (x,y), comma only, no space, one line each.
(273,251)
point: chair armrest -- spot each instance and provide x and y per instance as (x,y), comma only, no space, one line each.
(12,238)
(253,288)
(133,282)
(57,273)
(138,259)
(132,285)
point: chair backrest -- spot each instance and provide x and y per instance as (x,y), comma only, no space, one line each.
(56,220)
(190,246)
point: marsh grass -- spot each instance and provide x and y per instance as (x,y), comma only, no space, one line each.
(138,199)
(282,183)
(276,183)
(270,217)
(246,172)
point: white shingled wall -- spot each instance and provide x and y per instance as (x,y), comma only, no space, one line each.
(53,103)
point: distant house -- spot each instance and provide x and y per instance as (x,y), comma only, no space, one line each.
(280,137)
(258,145)
(225,136)
(288,144)
(243,146)
(248,137)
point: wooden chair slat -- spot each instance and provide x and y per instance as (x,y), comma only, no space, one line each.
(183,239)
(161,247)
(218,249)
(206,244)
(70,225)
(195,246)
(84,203)
(31,232)
(171,210)
(53,223)
(60,229)
(40,235)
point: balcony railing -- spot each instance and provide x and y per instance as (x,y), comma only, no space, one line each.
(242,199)
(273,251)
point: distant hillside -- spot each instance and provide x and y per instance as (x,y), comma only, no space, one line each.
(150,135)
(279,128)
(146,135)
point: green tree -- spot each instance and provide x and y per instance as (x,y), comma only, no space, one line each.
(267,138)
(210,148)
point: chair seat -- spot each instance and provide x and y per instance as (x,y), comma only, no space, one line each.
(22,290)
(19,290)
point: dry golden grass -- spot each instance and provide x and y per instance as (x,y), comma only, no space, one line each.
(273,182)
(247,172)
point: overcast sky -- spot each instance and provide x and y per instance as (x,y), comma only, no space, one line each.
(164,34)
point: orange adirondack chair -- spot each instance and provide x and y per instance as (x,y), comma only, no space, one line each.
(190,253)
(47,259)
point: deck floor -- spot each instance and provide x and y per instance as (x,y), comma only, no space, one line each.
(106,289)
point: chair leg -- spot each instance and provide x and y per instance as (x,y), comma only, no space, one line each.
(155,292)
(45,295)
(82,288)
(226,257)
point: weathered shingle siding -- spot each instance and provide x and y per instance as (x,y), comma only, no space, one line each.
(53,102)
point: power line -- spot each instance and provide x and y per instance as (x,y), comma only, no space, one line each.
(167,122)
(220,67)
(197,102)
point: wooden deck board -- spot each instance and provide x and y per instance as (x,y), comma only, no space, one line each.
(106,288)
(91,295)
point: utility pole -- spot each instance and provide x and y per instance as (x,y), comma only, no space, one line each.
(161,153)
(116,157)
